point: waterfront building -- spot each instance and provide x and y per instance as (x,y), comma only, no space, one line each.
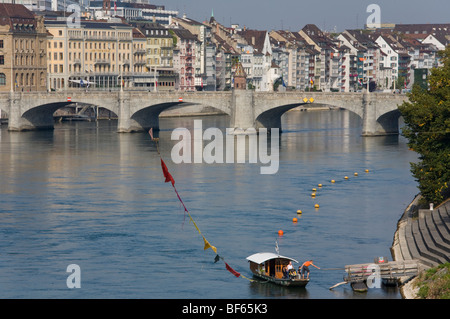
(107,53)
(23,49)
(256,58)
(327,79)
(286,54)
(32,5)
(416,46)
(133,10)
(369,56)
(140,73)
(184,59)
(439,40)
(62,5)
(302,58)
(159,53)
(222,37)
(205,60)
(389,48)
(350,61)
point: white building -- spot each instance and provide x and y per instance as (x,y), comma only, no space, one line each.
(32,5)
(389,58)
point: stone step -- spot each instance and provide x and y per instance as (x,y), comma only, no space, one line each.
(430,237)
(436,235)
(412,246)
(403,244)
(444,211)
(422,248)
(442,221)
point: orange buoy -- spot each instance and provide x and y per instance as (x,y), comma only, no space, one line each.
(346,177)
(313,195)
(280,232)
(333,181)
(320,185)
(316,206)
(299,212)
(314,189)
(294,220)
(367,171)
(356,174)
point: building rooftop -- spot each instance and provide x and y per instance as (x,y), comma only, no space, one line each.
(16,14)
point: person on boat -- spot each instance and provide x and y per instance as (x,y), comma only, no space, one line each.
(305,268)
(289,266)
(291,270)
(285,272)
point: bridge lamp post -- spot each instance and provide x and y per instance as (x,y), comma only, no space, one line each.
(121,78)
(12,71)
(155,83)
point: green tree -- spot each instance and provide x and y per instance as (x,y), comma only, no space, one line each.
(427,119)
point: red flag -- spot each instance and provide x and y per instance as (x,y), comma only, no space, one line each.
(166,173)
(234,272)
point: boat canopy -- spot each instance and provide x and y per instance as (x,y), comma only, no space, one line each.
(259,258)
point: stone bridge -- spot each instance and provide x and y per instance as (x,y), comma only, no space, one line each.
(139,110)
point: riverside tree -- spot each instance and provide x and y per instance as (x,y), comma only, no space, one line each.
(427,119)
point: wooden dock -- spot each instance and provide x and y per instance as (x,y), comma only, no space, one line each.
(388,273)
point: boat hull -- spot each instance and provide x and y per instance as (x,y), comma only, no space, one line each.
(295,282)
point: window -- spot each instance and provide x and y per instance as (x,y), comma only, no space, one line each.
(2,79)
(2,59)
(1,44)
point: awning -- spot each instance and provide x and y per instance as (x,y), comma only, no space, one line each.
(259,258)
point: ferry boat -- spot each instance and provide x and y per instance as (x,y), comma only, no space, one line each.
(269,266)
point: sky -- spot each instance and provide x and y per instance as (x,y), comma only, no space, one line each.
(293,15)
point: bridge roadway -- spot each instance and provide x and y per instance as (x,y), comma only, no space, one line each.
(139,110)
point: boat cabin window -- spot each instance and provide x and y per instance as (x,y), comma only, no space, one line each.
(274,267)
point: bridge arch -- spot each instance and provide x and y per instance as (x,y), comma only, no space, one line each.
(41,116)
(144,112)
(388,122)
(146,117)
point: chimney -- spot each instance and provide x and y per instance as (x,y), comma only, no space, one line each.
(253,40)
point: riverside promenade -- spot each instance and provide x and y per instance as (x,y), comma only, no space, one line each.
(422,235)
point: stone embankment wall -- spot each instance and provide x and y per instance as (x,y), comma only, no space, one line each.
(422,235)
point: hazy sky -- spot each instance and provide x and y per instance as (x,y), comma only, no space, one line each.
(294,14)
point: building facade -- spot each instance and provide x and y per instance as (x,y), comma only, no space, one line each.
(23,49)
(108,54)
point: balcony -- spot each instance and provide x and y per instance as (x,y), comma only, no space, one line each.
(102,62)
(139,51)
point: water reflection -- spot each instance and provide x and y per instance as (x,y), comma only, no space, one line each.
(85,194)
(260,289)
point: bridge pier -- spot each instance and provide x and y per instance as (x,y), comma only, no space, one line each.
(242,109)
(138,121)
(375,124)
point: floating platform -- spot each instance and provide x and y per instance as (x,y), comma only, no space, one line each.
(388,273)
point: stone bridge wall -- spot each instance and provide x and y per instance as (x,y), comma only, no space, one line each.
(139,110)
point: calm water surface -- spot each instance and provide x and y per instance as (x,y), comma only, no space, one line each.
(84,194)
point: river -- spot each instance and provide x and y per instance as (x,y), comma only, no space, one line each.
(84,194)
